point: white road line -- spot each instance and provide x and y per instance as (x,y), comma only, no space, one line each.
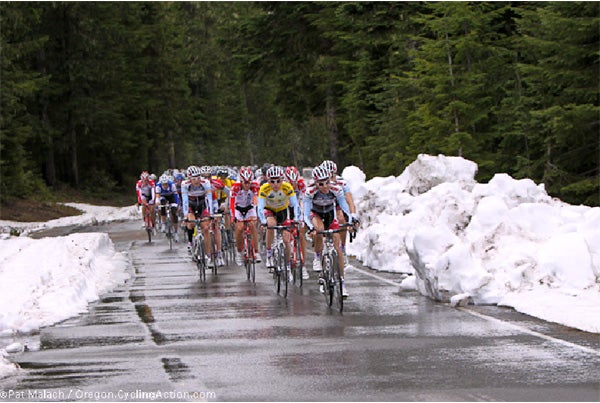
(492,319)
(385,280)
(531,332)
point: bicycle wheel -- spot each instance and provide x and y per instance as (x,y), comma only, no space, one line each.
(200,258)
(225,247)
(213,253)
(278,260)
(170,233)
(148,221)
(328,280)
(337,282)
(297,263)
(284,274)
(249,258)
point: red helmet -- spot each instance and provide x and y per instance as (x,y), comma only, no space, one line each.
(246,174)
(144,175)
(292,173)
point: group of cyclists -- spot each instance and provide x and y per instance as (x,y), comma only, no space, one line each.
(268,196)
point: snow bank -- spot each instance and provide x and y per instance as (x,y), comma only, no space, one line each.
(48,280)
(506,242)
(92,215)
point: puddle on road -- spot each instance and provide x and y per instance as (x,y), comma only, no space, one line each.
(176,369)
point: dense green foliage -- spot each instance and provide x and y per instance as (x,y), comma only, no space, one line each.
(94,92)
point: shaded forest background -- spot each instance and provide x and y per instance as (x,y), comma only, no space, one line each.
(94,92)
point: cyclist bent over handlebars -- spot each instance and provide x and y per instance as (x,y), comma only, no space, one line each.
(320,201)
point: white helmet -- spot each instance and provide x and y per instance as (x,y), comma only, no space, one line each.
(193,171)
(275,172)
(320,173)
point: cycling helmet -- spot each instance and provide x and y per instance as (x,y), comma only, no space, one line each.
(320,173)
(179,176)
(152,177)
(275,172)
(205,170)
(164,179)
(292,173)
(222,172)
(144,175)
(330,166)
(246,174)
(193,171)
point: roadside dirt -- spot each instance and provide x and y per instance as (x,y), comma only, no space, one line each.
(32,211)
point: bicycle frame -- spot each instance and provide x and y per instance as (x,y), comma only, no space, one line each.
(280,274)
(198,254)
(249,251)
(148,220)
(296,256)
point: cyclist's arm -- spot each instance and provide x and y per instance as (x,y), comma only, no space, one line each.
(261,210)
(138,191)
(295,205)
(232,204)
(343,204)
(307,209)
(174,190)
(185,199)
(209,199)
(350,201)
(153,190)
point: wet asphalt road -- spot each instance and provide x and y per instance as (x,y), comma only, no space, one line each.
(164,336)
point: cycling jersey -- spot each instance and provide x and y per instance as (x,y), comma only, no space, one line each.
(276,200)
(321,203)
(145,191)
(196,194)
(243,201)
(340,181)
(170,193)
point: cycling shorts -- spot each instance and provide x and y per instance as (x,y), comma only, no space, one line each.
(198,208)
(245,213)
(280,216)
(145,199)
(327,218)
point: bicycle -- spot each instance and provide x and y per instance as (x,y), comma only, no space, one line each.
(197,250)
(280,272)
(331,276)
(213,243)
(170,226)
(227,242)
(296,255)
(148,222)
(249,255)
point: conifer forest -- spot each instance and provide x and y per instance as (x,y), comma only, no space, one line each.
(92,93)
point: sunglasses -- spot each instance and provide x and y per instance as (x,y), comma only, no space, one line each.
(246,182)
(323,183)
(274,180)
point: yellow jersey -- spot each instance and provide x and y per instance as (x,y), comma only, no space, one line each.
(276,200)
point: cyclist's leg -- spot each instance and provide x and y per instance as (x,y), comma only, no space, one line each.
(341,217)
(337,244)
(218,233)
(205,232)
(239,228)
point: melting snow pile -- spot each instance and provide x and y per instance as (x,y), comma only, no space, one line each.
(505,242)
(48,280)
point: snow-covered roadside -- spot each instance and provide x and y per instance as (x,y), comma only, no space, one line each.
(505,242)
(92,215)
(44,281)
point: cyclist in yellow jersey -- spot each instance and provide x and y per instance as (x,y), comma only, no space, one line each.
(274,197)
(222,193)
